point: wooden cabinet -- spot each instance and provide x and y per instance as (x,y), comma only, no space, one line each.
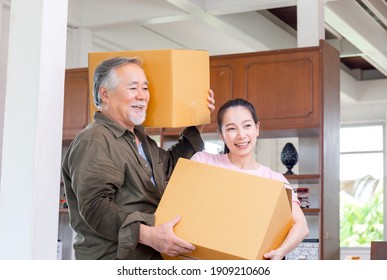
(283,85)
(76,103)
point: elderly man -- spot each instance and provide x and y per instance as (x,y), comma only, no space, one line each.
(115,175)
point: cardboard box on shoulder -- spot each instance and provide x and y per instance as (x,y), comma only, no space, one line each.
(179,81)
(226,214)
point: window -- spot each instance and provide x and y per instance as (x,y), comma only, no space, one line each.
(362,186)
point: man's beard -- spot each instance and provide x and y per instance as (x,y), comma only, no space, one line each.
(137,119)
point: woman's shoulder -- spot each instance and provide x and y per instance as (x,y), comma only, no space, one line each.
(269,173)
(206,157)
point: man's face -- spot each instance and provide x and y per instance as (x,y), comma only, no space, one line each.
(128,103)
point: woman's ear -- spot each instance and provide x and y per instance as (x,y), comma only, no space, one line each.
(257,126)
(220,136)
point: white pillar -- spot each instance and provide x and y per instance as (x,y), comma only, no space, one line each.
(310,22)
(32,139)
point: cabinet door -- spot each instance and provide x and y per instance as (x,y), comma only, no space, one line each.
(76,103)
(221,82)
(284,88)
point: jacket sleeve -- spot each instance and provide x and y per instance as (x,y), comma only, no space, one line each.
(186,146)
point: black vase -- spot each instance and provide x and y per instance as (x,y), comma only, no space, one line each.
(289,157)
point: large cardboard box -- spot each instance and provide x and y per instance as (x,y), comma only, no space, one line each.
(179,81)
(226,214)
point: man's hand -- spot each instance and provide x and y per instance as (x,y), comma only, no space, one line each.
(163,239)
(211,106)
(211,100)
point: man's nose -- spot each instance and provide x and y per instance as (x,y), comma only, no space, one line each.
(140,94)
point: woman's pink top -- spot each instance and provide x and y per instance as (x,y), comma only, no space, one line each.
(222,160)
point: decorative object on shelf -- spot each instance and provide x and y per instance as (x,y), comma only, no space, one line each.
(289,157)
(303,197)
(63,202)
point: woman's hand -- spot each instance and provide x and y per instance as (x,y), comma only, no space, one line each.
(277,254)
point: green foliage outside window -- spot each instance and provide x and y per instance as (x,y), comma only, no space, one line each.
(361,222)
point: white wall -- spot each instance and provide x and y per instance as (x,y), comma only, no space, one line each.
(4,30)
(362,100)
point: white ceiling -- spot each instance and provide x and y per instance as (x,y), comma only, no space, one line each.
(227,26)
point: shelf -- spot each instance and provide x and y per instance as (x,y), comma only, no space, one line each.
(311,211)
(152,131)
(173,132)
(303,178)
(63,210)
(281,133)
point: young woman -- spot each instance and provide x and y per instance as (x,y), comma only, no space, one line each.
(239,128)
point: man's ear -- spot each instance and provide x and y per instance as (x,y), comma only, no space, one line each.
(104,93)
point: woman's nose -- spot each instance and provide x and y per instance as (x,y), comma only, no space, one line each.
(240,134)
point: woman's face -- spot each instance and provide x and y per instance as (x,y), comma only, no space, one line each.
(239,132)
